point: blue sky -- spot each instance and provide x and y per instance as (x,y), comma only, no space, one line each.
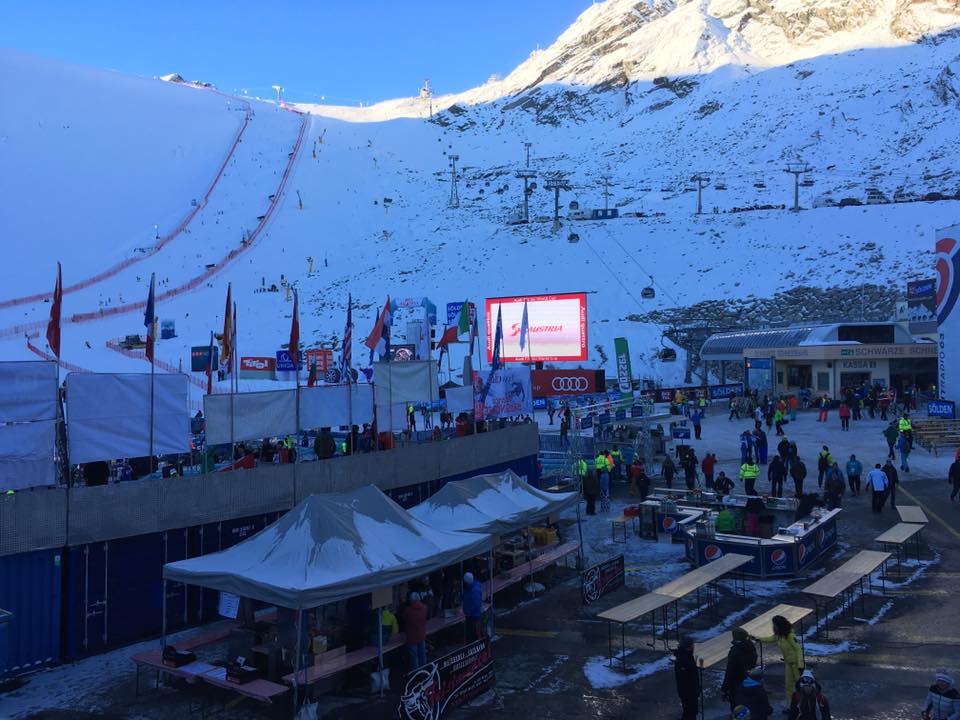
(347,52)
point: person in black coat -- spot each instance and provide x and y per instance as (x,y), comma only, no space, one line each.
(688,678)
(741,658)
(753,695)
(776,474)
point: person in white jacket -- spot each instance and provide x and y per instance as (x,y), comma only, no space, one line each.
(943,700)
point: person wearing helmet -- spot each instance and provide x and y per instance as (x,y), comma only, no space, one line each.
(753,696)
(809,702)
(942,701)
(741,712)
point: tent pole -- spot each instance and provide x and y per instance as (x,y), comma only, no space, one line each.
(296,664)
(580,531)
(163,621)
(380,649)
(492,625)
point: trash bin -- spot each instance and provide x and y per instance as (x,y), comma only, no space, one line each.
(766,526)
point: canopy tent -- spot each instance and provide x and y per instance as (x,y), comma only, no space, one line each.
(497,503)
(328,548)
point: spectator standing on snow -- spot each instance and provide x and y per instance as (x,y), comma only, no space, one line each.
(591,489)
(690,469)
(415,627)
(798,471)
(844,413)
(667,469)
(834,487)
(707,465)
(749,472)
(891,434)
(786,640)
(903,445)
(723,484)
(776,474)
(760,442)
(854,471)
(472,607)
(877,483)
(824,461)
(893,479)
(953,477)
(688,678)
(942,701)
(809,702)
(741,658)
(753,696)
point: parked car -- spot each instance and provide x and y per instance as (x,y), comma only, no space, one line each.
(876,197)
(823,201)
(934,197)
(849,201)
(904,196)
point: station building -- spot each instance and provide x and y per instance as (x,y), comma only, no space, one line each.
(827,358)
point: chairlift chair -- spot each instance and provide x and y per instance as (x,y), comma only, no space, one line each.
(648,293)
(668,355)
(807,181)
(573,238)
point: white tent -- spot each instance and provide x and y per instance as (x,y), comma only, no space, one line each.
(328,548)
(497,503)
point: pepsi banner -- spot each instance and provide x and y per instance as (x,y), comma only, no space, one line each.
(948,315)
(602,578)
(431,692)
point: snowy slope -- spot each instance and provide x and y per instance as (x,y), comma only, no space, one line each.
(646,93)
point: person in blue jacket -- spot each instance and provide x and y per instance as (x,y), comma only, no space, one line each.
(854,471)
(472,607)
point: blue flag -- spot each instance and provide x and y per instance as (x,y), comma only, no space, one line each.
(495,362)
(524,327)
(149,320)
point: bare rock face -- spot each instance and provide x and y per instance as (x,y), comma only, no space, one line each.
(947,85)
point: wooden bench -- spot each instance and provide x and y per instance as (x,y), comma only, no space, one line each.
(912,514)
(715,649)
(898,536)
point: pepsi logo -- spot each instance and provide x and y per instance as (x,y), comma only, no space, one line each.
(820,535)
(712,552)
(778,558)
(669,524)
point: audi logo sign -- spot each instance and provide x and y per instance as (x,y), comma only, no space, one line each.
(550,383)
(570,384)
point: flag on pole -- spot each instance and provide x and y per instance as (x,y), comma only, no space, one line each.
(450,335)
(346,352)
(53,327)
(210,367)
(234,358)
(150,318)
(227,338)
(474,334)
(463,322)
(294,346)
(495,363)
(379,339)
(524,327)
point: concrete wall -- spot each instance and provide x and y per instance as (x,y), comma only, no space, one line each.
(55,517)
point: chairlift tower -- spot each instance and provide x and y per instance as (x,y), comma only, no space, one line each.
(528,145)
(797,169)
(454,195)
(279,91)
(605,179)
(702,181)
(557,182)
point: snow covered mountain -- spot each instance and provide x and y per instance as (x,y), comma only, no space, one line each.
(645,94)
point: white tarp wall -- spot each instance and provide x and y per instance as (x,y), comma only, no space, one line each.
(28,416)
(256,415)
(459,399)
(510,393)
(334,405)
(399,383)
(948,314)
(108,416)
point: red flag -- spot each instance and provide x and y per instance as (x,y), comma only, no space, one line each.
(294,346)
(227,337)
(379,336)
(210,367)
(449,335)
(53,327)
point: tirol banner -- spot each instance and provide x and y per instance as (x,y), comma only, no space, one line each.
(432,691)
(602,578)
(948,315)
(624,376)
(509,393)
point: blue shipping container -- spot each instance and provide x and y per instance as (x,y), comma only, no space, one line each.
(30,589)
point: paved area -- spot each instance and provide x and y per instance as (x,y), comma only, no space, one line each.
(551,652)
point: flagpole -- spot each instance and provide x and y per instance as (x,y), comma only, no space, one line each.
(533,408)
(153,351)
(233,381)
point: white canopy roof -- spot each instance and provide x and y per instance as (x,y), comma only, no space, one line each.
(496,503)
(328,548)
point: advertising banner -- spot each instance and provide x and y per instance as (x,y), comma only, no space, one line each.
(258,368)
(285,361)
(948,315)
(946,409)
(509,393)
(722,392)
(551,383)
(624,375)
(920,289)
(602,578)
(321,356)
(557,327)
(453,312)
(403,353)
(199,354)
(433,691)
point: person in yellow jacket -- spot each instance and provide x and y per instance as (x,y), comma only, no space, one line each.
(793,662)
(749,472)
(906,429)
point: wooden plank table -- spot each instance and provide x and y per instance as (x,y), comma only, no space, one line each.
(898,536)
(631,611)
(542,561)
(711,572)
(715,649)
(912,514)
(841,582)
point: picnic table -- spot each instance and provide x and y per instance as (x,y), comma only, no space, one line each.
(260,690)
(714,650)
(912,514)
(899,535)
(670,594)
(841,581)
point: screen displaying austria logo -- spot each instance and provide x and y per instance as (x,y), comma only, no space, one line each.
(948,276)
(669,524)
(712,552)
(779,558)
